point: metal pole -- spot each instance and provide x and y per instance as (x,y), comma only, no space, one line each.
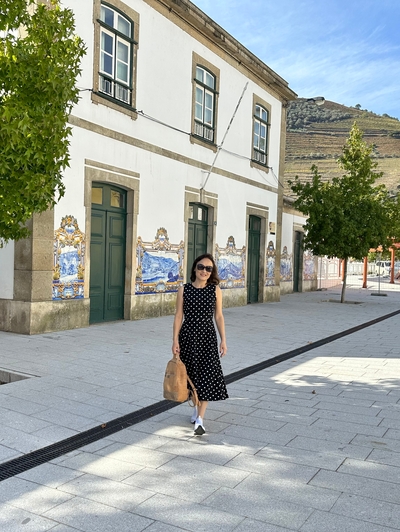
(379,275)
(223,140)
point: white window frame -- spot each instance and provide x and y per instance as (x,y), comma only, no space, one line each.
(260,133)
(202,126)
(110,84)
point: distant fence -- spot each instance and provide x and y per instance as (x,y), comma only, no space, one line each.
(329,274)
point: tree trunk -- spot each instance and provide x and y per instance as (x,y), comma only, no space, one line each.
(344,281)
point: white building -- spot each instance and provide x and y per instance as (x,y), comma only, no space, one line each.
(150,187)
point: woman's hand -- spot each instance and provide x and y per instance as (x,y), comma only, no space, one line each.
(176,349)
(223,349)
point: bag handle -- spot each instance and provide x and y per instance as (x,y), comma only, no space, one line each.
(193,400)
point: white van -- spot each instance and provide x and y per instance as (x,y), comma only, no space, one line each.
(382,268)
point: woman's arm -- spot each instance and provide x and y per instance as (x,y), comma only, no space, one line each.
(177,323)
(219,320)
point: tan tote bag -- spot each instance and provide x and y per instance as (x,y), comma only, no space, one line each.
(176,383)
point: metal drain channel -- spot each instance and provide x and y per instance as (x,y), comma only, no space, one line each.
(40,456)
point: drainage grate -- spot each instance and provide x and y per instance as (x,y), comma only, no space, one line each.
(41,456)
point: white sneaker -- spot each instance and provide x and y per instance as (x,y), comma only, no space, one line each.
(194,415)
(199,429)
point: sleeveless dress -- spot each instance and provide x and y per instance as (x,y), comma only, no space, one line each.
(199,345)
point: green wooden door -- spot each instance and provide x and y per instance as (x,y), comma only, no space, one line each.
(297,258)
(253,258)
(197,234)
(107,253)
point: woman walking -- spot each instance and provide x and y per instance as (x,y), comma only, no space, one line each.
(195,338)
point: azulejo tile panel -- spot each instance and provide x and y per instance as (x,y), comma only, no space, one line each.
(309,266)
(69,260)
(231,264)
(271,259)
(159,264)
(286,266)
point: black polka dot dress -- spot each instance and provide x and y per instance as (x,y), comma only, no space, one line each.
(199,345)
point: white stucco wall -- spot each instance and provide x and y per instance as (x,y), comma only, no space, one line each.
(162,190)
(164,91)
(290,223)
(161,152)
(7,271)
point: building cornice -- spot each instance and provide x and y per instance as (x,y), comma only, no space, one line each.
(197,20)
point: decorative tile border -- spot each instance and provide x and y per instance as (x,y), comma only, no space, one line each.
(159,264)
(69,260)
(271,260)
(231,264)
(286,266)
(309,269)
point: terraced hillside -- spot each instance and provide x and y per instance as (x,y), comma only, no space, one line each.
(316,135)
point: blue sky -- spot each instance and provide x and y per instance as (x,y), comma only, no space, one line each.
(345,50)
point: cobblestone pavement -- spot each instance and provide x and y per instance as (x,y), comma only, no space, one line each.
(309,444)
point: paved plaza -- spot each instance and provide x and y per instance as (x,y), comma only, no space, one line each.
(310,444)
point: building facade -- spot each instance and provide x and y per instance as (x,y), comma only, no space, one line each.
(177,149)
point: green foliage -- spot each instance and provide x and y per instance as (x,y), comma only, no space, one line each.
(302,113)
(39,65)
(14,13)
(349,215)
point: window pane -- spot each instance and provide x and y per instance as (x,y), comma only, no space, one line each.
(122,72)
(199,95)
(199,213)
(107,43)
(262,144)
(199,112)
(107,15)
(97,196)
(191,212)
(124,26)
(199,104)
(264,115)
(210,80)
(123,52)
(117,199)
(200,74)
(106,63)
(209,100)
(257,113)
(209,109)
(255,140)
(256,127)
(263,131)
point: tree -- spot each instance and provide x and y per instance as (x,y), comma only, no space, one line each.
(349,215)
(39,65)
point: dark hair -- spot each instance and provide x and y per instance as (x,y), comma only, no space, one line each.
(213,279)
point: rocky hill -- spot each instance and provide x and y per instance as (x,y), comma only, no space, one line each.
(316,135)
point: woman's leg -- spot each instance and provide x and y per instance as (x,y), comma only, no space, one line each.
(201,409)
(199,429)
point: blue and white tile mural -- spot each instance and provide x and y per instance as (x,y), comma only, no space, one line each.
(231,264)
(69,260)
(309,269)
(159,265)
(286,265)
(271,258)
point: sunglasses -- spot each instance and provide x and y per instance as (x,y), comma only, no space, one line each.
(201,267)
